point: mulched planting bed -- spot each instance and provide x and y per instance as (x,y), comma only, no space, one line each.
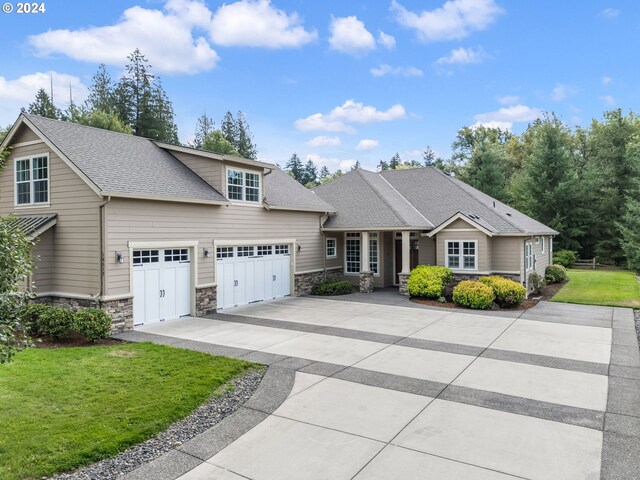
(75,340)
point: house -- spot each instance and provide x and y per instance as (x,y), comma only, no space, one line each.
(150,231)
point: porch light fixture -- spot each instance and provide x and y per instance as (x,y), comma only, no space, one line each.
(206,253)
(299,247)
(119,257)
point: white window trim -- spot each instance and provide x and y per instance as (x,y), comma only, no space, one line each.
(244,172)
(359,239)
(542,245)
(374,236)
(31,195)
(529,266)
(461,255)
(335,247)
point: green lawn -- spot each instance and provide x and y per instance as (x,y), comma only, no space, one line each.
(68,407)
(601,287)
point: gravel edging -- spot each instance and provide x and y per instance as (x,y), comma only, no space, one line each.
(205,417)
(636,317)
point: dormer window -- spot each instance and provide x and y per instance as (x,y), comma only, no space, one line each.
(243,185)
(32,180)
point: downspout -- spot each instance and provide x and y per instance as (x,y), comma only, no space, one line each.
(323,247)
(103,257)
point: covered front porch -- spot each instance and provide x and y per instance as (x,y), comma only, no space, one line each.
(378,258)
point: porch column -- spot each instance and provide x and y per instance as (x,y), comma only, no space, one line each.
(366,276)
(403,276)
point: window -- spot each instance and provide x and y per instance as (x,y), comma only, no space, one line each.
(224,252)
(462,255)
(282,249)
(176,255)
(537,240)
(141,257)
(528,256)
(373,253)
(331,248)
(32,180)
(245,251)
(352,253)
(542,244)
(243,186)
(265,250)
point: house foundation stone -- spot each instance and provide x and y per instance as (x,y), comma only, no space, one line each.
(366,282)
(121,313)
(206,300)
(304,282)
(403,279)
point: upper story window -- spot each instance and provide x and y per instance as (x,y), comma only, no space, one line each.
(243,186)
(462,255)
(32,180)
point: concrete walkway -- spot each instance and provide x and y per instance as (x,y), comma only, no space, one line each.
(375,387)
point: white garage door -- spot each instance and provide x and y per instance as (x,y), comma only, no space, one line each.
(161,285)
(252,273)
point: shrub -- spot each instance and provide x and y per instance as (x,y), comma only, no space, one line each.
(55,322)
(566,258)
(93,323)
(428,281)
(555,274)
(536,282)
(332,287)
(507,292)
(472,294)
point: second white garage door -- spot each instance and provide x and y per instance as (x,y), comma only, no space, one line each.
(247,274)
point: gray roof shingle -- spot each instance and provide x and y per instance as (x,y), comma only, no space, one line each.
(125,164)
(282,191)
(364,199)
(32,224)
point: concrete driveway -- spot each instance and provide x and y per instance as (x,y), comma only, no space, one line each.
(376,387)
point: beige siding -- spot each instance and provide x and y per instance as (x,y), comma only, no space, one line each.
(543,257)
(210,170)
(426,251)
(75,243)
(507,254)
(146,221)
(484,253)
(44,260)
(24,134)
(339,260)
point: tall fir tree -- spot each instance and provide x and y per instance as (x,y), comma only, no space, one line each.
(295,168)
(244,139)
(228,128)
(324,173)
(395,162)
(310,174)
(204,126)
(43,106)
(101,92)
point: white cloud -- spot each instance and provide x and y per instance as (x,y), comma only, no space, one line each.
(323,141)
(366,144)
(257,23)
(562,92)
(508,100)
(608,100)
(610,13)
(505,117)
(387,41)
(349,35)
(456,19)
(385,69)
(606,80)
(462,56)
(331,163)
(164,37)
(340,118)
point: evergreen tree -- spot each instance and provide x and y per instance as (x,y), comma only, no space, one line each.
(629,227)
(204,126)
(5,131)
(394,162)
(228,129)
(356,166)
(215,142)
(245,146)
(324,172)
(382,165)
(43,106)
(310,174)
(295,168)
(101,92)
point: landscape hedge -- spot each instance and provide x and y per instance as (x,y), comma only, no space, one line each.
(555,274)
(332,287)
(507,292)
(428,281)
(59,323)
(473,294)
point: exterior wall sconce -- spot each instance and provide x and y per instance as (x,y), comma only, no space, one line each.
(119,257)
(206,253)
(299,247)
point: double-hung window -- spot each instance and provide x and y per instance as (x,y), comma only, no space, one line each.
(352,252)
(462,255)
(373,253)
(243,186)
(32,180)
(331,248)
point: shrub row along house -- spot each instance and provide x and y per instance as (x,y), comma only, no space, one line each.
(150,231)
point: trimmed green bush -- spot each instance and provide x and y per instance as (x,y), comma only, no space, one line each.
(93,323)
(566,258)
(507,292)
(428,281)
(555,274)
(473,294)
(54,322)
(536,282)
(332,287)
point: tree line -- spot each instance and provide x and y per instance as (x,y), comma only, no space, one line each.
(138,104)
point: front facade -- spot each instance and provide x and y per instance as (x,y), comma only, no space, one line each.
(150,232)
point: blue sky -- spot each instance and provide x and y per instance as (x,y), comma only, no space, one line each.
(340,81)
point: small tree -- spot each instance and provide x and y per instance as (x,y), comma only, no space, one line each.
(216,143)
(15,268)
(43,106)
(104,120)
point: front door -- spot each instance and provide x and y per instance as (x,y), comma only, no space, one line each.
(413,256)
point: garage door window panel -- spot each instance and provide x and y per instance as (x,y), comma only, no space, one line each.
(140,257)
